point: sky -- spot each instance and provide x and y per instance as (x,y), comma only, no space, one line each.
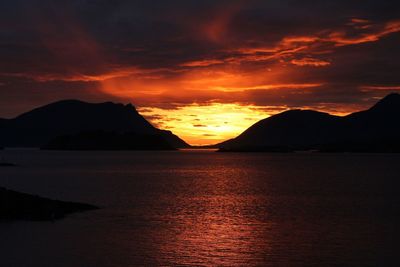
(205,70)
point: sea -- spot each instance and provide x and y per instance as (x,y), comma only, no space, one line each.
(206,208)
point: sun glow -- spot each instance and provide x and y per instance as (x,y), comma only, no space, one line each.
(193,104)
(205,124)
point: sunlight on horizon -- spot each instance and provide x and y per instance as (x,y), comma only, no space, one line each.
(205,124)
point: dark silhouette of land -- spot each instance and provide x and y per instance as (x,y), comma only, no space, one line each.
(4,163)
(374,130)
(47,125)
(7,164)
(76,125)
(21,206)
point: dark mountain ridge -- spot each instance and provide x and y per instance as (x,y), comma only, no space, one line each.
(376,130)
(71,117)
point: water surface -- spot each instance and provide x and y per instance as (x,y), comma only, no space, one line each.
(201,208)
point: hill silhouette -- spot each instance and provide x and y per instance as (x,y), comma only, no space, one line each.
(373,130)
(43,125)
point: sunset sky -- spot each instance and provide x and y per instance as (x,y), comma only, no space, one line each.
(205,70)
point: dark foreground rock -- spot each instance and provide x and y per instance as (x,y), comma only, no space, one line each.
(7,164)
(21,206)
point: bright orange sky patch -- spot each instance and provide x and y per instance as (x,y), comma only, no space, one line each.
(205,124)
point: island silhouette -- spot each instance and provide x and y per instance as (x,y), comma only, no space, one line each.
(21,206)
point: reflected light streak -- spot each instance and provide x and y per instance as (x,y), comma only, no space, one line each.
(217,228)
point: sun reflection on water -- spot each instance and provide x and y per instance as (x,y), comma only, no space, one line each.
(216,226)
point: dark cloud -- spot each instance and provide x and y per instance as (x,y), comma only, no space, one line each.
(160,53)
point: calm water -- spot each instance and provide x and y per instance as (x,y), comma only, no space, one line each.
(201,208)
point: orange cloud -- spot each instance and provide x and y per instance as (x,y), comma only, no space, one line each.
(360,24)
(81,77)
(310,62)
(320,43)
(271,87)
(296,40)
(359,21)
(381,87)
(339,38)
(202,63)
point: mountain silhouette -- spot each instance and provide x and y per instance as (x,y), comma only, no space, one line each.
(373,130)
(45,124)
